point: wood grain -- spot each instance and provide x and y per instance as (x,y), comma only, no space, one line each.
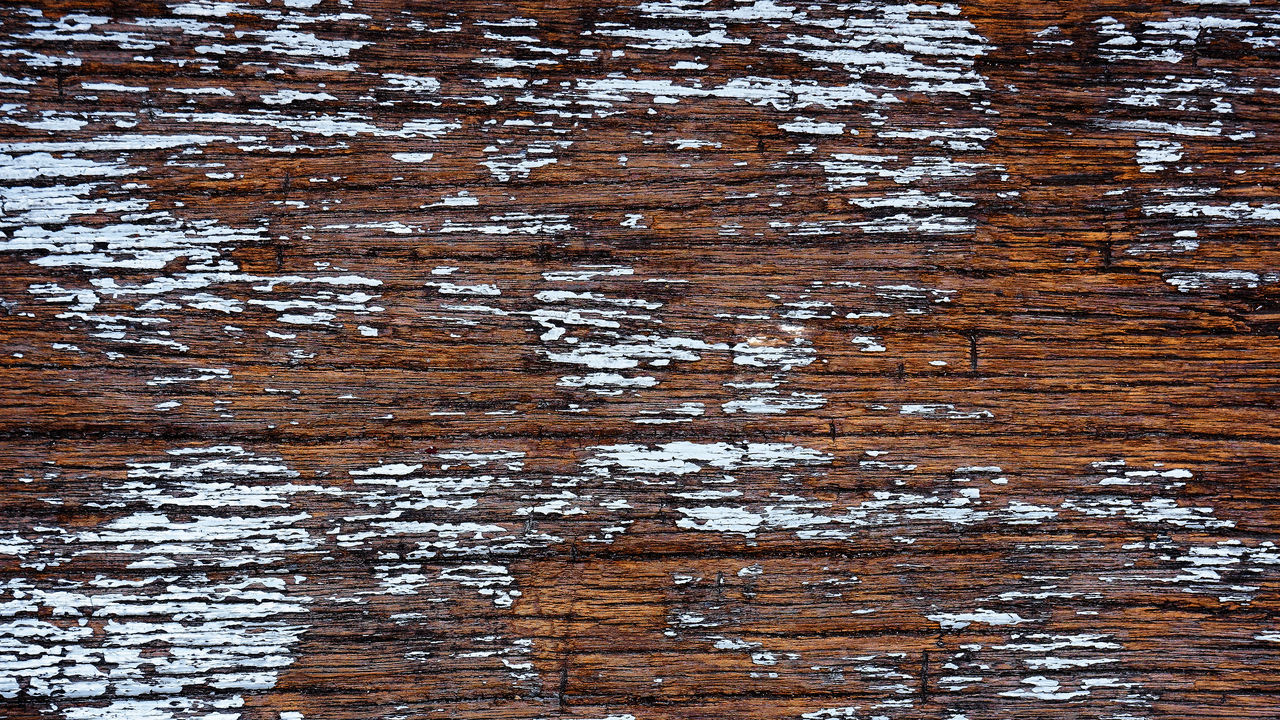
(639,361)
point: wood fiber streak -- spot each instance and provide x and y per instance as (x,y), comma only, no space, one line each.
(640,360)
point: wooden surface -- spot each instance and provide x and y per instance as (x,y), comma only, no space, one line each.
(643,360)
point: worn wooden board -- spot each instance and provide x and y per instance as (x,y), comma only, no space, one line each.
(639,360)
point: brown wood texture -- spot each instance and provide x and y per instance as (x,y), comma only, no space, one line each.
(639,360)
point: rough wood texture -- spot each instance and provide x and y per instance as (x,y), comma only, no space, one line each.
(642,360)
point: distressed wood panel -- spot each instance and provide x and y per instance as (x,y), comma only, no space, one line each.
(639,361)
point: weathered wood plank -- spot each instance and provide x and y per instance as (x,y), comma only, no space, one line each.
(639,361)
